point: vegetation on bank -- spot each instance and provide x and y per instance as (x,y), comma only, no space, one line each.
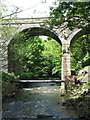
(7,87)
(78,95)
(78,99)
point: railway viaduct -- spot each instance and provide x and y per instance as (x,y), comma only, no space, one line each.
(33,27)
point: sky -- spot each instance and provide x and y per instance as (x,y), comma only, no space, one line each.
(32,8)
(37,8)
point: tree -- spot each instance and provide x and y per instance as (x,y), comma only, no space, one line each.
(35,57)
(27,54)
(6,32)
(74,14)
(80,52)
(70,15)
(52,52)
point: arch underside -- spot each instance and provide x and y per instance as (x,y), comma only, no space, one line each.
(30,32)
(37,31)
(80,34)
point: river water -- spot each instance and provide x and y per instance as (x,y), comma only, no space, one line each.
(37,101)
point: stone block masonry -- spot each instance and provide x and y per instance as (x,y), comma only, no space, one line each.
(64,37)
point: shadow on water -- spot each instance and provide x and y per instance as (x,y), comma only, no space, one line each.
(37,101)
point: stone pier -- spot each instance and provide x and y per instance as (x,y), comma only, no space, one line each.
(66,68)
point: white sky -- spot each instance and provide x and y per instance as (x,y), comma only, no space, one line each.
(37,8)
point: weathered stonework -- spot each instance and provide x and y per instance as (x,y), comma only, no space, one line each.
(66,70)
(65,38)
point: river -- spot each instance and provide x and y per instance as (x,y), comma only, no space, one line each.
(37,101)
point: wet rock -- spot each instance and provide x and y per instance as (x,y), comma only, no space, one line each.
(64,104)
(58,103)
(44,116)
(70,108)
(13,95)
(67,103)
(79,99)
(62,95)
(52,84)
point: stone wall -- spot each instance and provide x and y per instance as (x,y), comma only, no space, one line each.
(4,57)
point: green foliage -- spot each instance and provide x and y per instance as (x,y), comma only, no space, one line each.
(3,8)
(6,12)
(75,91)
(34,58)
(75,14)
(26,76)
(80,52)
(25,57)
(79,98)
(7,86)
(7,76)
(52,51)
(7,31)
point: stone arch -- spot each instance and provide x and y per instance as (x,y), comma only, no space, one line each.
(37,30)
(31,32)
(77,33)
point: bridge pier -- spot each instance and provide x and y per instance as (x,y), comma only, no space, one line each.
(66,68)
(4,57)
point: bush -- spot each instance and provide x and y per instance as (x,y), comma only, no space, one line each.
(7,77)
(7,86)
(26,76)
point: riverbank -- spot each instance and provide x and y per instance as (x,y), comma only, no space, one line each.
(78,99)
(8,88)
(37,101)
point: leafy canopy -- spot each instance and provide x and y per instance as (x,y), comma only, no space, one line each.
(74,14)
(35,57)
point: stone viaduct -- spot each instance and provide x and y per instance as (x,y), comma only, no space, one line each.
(33,27)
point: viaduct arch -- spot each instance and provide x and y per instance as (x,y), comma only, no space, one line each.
(27,26)
(37,31)
(77,33)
